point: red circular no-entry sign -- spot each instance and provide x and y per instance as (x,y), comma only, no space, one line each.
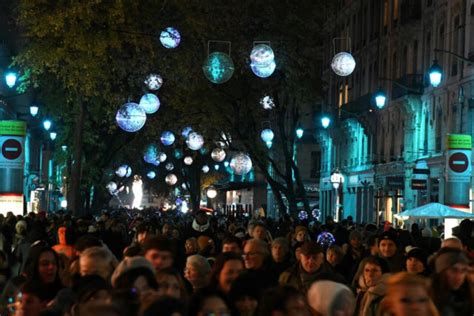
(458,162)
(11,149)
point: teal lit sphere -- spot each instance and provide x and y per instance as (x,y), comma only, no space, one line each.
(150,103)
(218,67)
(185,132)
(178,153)
(167,138)
(131,117)
(151,154)
(151,174)
(267,135)
(123,171)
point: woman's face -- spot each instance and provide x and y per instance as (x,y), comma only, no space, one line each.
(372,274)
(414,265)
(332,257)
(456,275)
(29,305)
(214,305)
(406,300)
(142,286)
(191,274)
(190,247)
(230,271)
(301,236)
(246,305)
(47,267)
(169,286)
(90,266)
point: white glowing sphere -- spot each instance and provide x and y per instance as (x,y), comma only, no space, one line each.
(218,154)
(169,166)
(205,169)
(171,179)
(267,102)
(241,164)
(263,71)
(151,174)
(188,160)
(150,103)
(211,192)
(131,117)
(195,141)
(262,55)
(167,138)
(162,157)
(153,81)
(267,135)
(123,170)
(343,64)
(111,187)
(170,37)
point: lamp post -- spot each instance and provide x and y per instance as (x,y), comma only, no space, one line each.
(336,179)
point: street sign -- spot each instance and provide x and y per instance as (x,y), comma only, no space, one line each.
(458,162)
(12,149)
(12,153)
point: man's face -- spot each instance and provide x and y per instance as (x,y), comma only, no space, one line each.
(253,256)
(278,253)
(387,248)
(312,262)
(259,232)
(372,274)
(159,259)
(231,247)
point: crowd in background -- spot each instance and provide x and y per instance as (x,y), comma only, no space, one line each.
(152,262)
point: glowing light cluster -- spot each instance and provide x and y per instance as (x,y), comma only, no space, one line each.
(218,67)
(123,171)
(167,138)
(151,174)
(171,179)
(154,81)
(218,154)
(262,61)
(267,102)
(131,117)
(302,215)
(170,37)
(241,164)
(343,64)
(195,141)
(149,103)
(151,155)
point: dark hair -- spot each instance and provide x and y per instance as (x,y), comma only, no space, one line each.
(219,265)
(165,306)
(199,298)
(230,239)
(87,241)
(126,280)
(175,273)
(159,243)
(275,299)
(86,286)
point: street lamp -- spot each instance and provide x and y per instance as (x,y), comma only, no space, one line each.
(380,98)
(325,121)
(10,79)
(211,192)
(336,179)
(47,124)
(435,73)
(34,109)
(299,132)
(53,135)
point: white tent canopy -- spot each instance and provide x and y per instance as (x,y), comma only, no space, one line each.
(434,210)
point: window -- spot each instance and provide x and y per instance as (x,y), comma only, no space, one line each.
(385,15)
(396,13)
(315,164)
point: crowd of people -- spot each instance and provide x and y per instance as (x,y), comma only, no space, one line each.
(151,262)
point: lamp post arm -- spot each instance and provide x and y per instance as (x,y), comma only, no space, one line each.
(467,60)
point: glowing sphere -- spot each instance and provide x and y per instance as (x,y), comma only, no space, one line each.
(241,164)
(302,215)
(267,135)
(151,154)
(218,67)
(267,102)
(123,171)
(325,239)
(188,160)
(170,37)
(185,132)
(195,141)
(263,71)
(171,179)
(153,81)
(131,117)
(177,153)
(162,157)
(167,138)
(262,55)
(150,103)
(205,169)
(343,64)
(111,187)
(316,213)
(211,192)
(151,174)
(169,166)
(218,154)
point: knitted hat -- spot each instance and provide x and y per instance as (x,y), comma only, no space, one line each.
(328,297)
(20,227)
(129,264)
(448,257)
(388,236)
(200,263)
(311,248)
(418,253)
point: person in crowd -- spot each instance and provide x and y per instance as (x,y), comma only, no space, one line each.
(232,244)
(206,246)
(226,269)
(256,254)
(98,309)
(143,231)
(373,245)
(191,246)
(407,294)
(354,251)
(300,235)
(452,242)
(171,283)
(245,293)
(91,288)
(162,305)
(452,292)
(21,246)
(197,272)
(331,298)
(160,252)
(334,255)
(285,300)
(281,256)
(417,261)
(388,250)
(97,260)
(30,300)
(259,231)
(208,302)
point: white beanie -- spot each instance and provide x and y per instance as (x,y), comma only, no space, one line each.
(327,297)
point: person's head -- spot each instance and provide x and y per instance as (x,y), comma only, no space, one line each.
(334,255)
(160,305)
(143,232)
(301,233)
(331,298)
(255,253)
(280,249)
(160,252)
(208,302)
(231,244)
(30,300)
(312,257)
(135,273)
(407,294)
(191,246)
(86,241)
(387,245)
(283,301)
(451,265)
(197,271)
(42,264)
(259,231)
(226,269)
(355,239)
(416,260)
(91,288)
(373,245)
(98,309)
(372,270)
(97,260)
(245,292)
(452,242)
(171,283)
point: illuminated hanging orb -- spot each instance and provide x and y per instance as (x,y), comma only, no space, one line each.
(188,160)
(262,55)
(150,103)
(162,157)
(131,117)
(205,169)
(218,67)
(267,102)
(151,174)
(241,164)
(123,170)
(218,154)
(177,153)
(154,81)
(203,151)
(343,64)
(185,132)
(325,239)
(167,138)
(170,37)
(267,135)
(211,192)
(169,166)
(111,187)
(263,71)
(302,215)
(129,172)
(195,141)
(171,179)
(151,154)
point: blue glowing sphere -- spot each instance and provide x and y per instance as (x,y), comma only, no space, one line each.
(151,154)
(263,71)
(153,81)
(131,117)
(267,102)
(205,169)
(124,171)
(241,164)
(150,103)
(218,67)
(167,138)
(185,132)
(151,174)
(170,37)
(267,135)
(195,141)
(177,153)
(262,55)
(111,187)
(316,214)
(218,154)
(169,166)
(302,215)
(325,239)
